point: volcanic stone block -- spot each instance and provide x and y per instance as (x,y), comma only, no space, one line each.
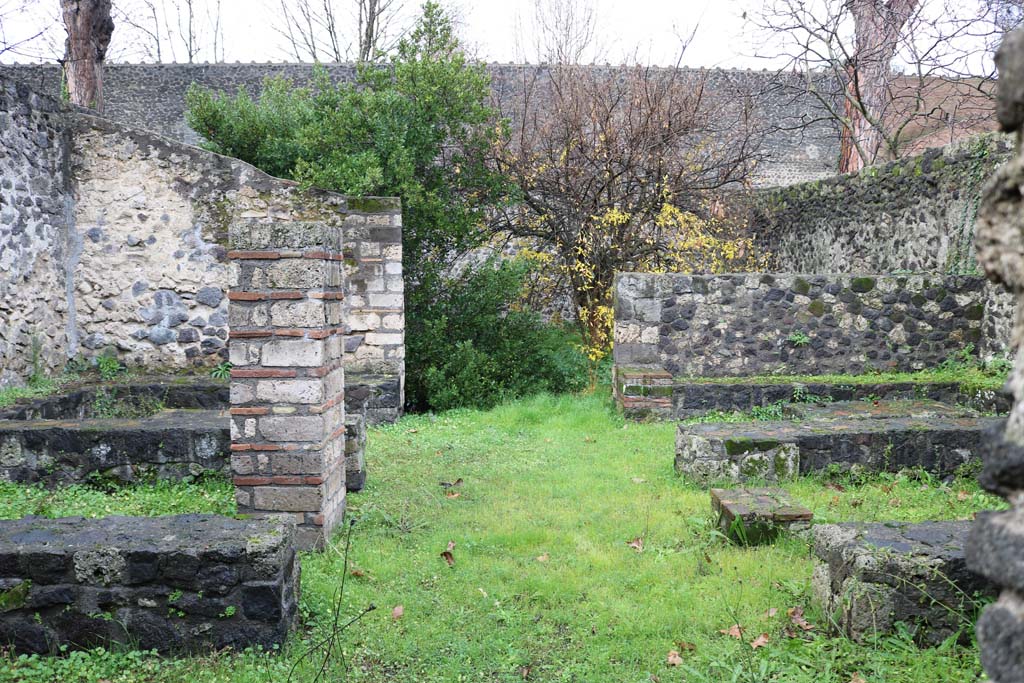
(775,450)
(178,584)
(173,444)
(756,515)
(873,576)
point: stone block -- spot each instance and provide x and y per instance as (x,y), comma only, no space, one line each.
(287,498)
(292,427)
(751,516)
(240,590)
(872,576)
(290,390)
(291,353)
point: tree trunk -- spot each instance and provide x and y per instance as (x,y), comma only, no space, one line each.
(877,27)
(89,26)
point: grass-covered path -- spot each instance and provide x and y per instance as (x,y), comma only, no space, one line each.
(544,585)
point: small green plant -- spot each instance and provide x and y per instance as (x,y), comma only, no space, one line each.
(107,405)
(799,338)
(222,371)
(228,612)
(109,367)
(174,597)
(770,412)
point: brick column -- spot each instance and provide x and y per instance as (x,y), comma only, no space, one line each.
(287,385)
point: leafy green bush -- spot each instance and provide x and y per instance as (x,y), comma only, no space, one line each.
(471,348)
(419,128)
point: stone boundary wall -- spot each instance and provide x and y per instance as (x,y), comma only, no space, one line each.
(152,96)
(288,381)
(996,544)
(763,324)
(177,584)
(912,215)
(34,199)
(120,245)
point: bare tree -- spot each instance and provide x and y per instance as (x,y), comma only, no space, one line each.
(89,27)
(891,75)
(562,32)
(616,165)
(14,42)
(157,29)
(314,30)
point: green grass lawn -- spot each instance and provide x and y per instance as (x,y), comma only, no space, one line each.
(544,585)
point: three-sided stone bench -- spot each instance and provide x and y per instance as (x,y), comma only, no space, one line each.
(887,437)
(873,576)
(756,515)
(180,584)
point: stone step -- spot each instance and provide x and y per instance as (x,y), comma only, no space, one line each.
(778,450)
(872,575)
(656,394)
(177,584)
(751,516)
(172,444)
(924,409)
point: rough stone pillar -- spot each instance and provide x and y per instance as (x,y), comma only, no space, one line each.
(996,545)
(286,316)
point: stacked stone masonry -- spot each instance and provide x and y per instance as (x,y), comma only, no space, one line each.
(996,544)
(179,584)
(113,239)
(762,324)
(799,145)
(287,313)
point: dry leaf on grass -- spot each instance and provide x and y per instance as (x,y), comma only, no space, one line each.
(685,646)
(735,631)
(638,480)
(673,658)
(835,487)
(796,615)
(543,558)
(857,678)
(397,612)
(452,494)
(637,544)
(771,612)
(760,641)
(962,495)
(449,558)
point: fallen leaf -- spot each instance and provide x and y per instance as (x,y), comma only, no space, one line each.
(451,546)
(796,615)
(833,501)
(685,646)
(790,633)
(895,502)
(543,558)
(589,439)
(736,631)
(397,612)
(857,678)
(412,431)
(962,495)
(449,558)
(638,480)
(524,671)
(356,572)
(771,612)
(452,494)
(673,658)
(637,544)
(760,641)
(856,503)
(835,487)
(653,679)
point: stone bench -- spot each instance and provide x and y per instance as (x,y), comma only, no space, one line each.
(186,583)
(872,576)
(742,451)
(172,444)
(652,393)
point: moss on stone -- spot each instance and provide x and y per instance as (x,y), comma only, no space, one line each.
(14,598)
(741,445)
(817,308)
(801,286)
(862,285)
(974,312)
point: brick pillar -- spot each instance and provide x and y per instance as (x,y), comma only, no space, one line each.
(287,385)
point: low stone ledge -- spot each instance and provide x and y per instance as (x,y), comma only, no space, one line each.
(779,450)
(173,445)
(179,584)
(872,576)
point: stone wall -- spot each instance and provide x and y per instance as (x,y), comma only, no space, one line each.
(996,545)
(801,145)
(34,200)
(119,244)
(178,584)
(763,324)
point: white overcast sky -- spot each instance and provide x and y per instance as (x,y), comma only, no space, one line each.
(650,27)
